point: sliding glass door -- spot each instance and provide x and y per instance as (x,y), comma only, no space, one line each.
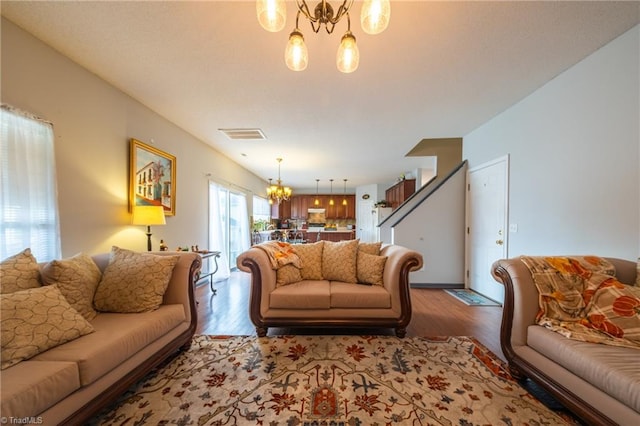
(228,223)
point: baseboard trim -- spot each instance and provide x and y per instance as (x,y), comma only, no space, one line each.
(437,285)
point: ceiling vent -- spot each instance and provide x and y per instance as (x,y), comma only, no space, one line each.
(246,134)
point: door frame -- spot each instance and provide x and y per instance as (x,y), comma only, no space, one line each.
(468,212)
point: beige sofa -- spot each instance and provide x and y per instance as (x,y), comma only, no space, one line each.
(323,302)
(70,383)
(599,383)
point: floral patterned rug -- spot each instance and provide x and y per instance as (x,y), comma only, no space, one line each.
(330,380)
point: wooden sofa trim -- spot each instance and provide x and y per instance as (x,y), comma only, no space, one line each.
(90,409)
(521,369)
(262,324)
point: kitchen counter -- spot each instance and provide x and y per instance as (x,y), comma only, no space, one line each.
(338,234)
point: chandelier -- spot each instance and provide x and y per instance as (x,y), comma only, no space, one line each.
(374,19)
(278,193)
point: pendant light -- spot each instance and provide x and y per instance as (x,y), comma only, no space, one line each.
(272,14)
(348,56)
(331,203)
(344,197)
(278,193)
(316,202)
(375,15)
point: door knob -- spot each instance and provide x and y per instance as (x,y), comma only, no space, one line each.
(499,242)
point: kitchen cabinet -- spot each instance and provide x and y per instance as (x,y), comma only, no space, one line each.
(282,210)
(312,237)
(299,206)
(399,192)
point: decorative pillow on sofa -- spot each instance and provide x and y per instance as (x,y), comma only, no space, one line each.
(287,274)
(19,272)
(35,320)
(370,248)
(370,268)
(311,259)
(77,278)
(638,273)
(339,261)
(133,282)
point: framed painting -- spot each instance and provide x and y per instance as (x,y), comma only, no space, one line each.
(152,179)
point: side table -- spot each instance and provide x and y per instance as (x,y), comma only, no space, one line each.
(207,270)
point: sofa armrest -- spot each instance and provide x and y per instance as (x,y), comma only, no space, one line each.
(400,261)
(520,305)
(263,280)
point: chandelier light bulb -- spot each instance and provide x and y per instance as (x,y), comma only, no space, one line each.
(272,14)
(348,55)
(296,55)
(375,16)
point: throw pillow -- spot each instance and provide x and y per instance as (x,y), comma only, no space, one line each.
(615,310)
(19,272)
(77,278)
(371,268)
(35,320)
(370,248)
(339,261)
(638,273)
(287,274)
(311,260)
(133,282)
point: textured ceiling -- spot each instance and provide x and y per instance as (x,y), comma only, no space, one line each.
(440,70)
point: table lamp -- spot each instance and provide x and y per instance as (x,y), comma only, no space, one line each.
(148,215)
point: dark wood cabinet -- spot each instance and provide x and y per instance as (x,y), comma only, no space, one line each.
(297,207)
(399,192)
(282,210)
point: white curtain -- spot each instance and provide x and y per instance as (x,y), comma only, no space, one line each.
(28,193)
(217,232)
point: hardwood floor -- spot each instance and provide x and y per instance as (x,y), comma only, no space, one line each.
(435,313)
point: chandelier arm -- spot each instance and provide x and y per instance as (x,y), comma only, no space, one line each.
(342,10)
(304,8)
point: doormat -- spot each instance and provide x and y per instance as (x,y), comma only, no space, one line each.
(471,298)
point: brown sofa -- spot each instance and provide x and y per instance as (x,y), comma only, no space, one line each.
(326,303)
(599,383)
(70,383)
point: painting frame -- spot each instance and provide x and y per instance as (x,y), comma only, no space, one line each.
(150,183)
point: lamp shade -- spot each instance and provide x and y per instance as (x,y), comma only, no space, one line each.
(148,215)
(375,16)
(348,56)
(296,55)
(272,14)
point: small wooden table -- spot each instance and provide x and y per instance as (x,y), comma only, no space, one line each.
(207,271)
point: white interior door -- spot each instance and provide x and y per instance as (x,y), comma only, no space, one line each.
(366,230)
(487,201)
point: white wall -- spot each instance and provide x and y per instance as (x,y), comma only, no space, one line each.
(574,146)
(93,122)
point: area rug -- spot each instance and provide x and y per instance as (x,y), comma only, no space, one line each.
(471,298)
(330,380)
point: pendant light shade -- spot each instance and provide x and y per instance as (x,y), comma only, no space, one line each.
(316,202)
(272,14)
(296,55)
(348,56)
(375,15)
(331,202)
(344,196)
